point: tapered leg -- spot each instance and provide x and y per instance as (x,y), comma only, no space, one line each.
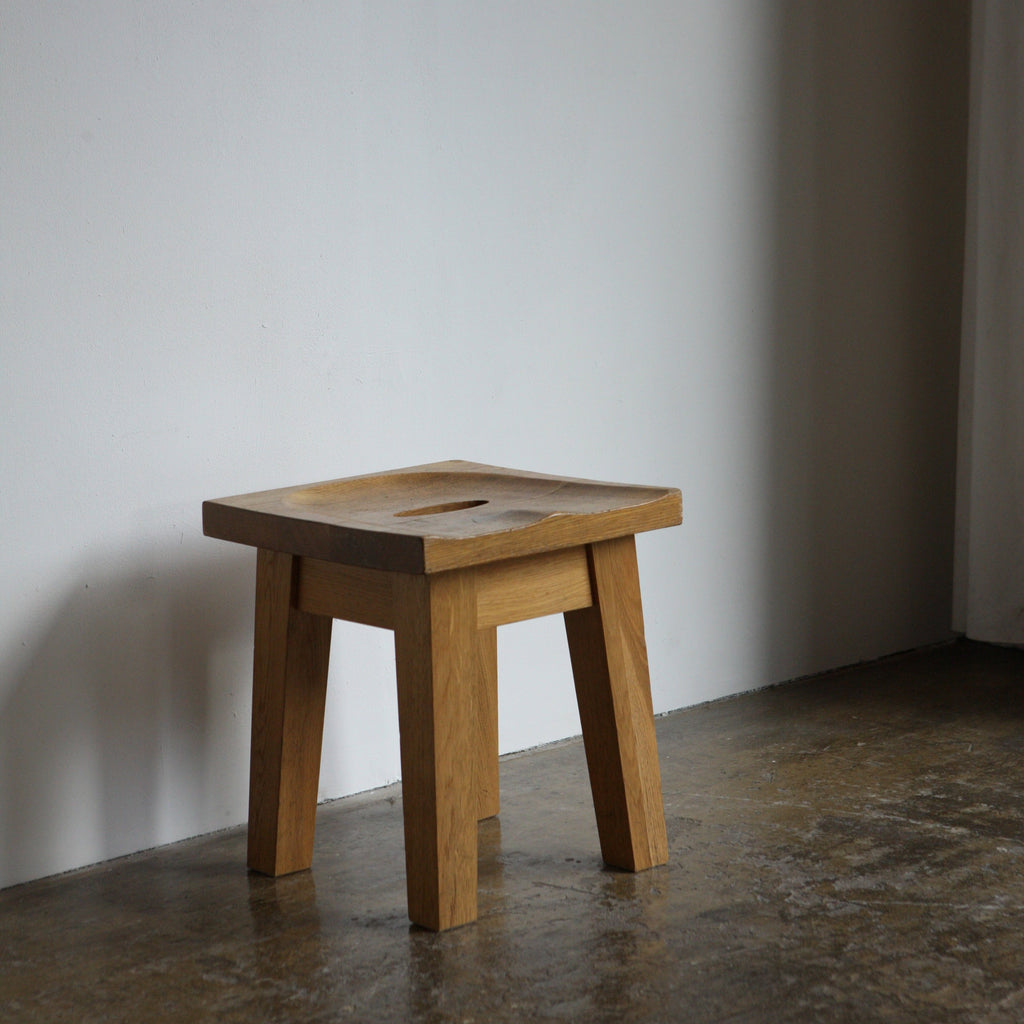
(436,659)
(291,654)
(488,800)
(613,689)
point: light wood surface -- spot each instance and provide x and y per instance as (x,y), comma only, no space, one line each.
(525,588)
(347,592)
(290,660)
(436,661)
(485,763)
(613,690)
(440,516)
(511,590)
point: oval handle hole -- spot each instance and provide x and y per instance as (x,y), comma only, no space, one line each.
(448,506)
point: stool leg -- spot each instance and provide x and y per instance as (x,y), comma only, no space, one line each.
(488,800)
(613,690)
(436,660)
(290,661)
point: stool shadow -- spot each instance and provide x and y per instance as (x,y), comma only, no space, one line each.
(126,726)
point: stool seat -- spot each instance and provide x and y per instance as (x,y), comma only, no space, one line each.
(443,554)
(446,515)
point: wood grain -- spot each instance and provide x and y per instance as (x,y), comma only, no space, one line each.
(525,588)
(436,660)
(613,690)
(485,688)
(468,514)
(507,591)
(346,592)
(290,661)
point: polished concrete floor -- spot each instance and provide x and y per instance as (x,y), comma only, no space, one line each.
(843,849)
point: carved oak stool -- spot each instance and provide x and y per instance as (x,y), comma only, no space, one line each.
(443,554)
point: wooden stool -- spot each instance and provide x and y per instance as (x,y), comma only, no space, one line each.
(443,554)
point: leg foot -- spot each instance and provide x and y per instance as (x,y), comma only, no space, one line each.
(436,655)
(613,689)
(488,800)
(290,662)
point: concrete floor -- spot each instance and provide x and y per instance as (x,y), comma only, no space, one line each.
(844,849)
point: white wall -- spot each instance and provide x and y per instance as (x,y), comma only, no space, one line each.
(245,244)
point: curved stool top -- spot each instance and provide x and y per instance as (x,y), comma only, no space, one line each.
(445,515)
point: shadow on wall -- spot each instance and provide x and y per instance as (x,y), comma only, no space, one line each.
(126,723)
(860,452)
